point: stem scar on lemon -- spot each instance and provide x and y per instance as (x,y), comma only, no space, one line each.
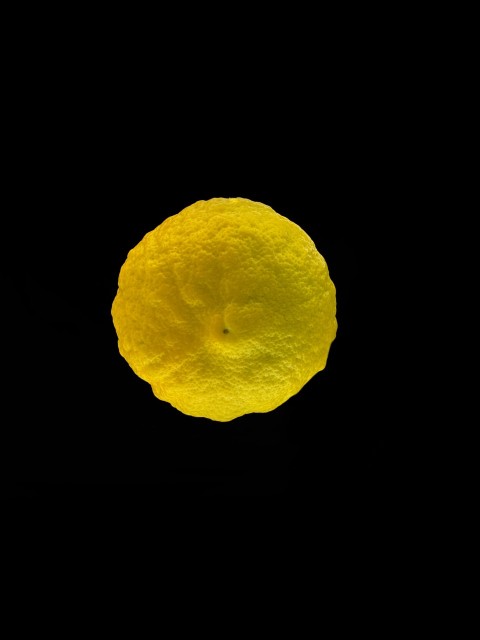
(226,308)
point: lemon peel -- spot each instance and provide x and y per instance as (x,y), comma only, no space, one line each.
(226,308)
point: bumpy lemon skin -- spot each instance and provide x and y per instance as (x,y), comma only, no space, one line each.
(225,308)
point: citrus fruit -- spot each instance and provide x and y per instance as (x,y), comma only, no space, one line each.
(225,308)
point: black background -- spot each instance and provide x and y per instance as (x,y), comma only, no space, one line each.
(105,154)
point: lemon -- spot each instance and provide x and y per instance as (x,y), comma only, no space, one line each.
(225,308)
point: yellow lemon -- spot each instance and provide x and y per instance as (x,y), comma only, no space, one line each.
(226,308)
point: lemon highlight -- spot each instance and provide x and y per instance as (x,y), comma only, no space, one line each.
(226,308)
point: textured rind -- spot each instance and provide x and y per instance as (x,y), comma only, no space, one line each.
(226,308)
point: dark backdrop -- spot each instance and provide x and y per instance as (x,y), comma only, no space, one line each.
(104,159)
